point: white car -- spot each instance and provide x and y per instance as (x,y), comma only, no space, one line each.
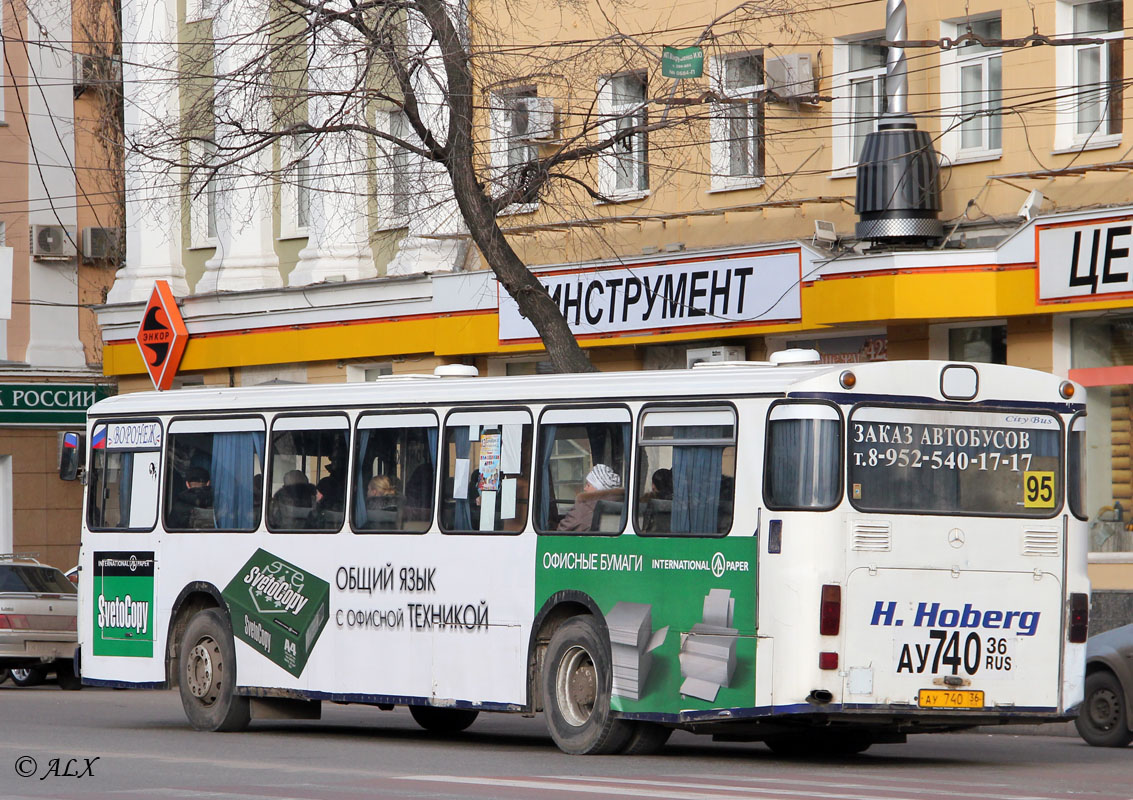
(37,622)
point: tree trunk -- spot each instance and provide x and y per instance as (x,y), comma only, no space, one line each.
(529,294)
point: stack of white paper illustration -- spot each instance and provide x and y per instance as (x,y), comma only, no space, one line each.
(708,652)
(631,643)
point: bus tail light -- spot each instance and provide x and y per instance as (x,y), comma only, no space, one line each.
(1079,617)
(830,614)
(827,660)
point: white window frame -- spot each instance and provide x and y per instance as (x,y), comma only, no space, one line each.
(295,187)
(613,116)
(722,144)
(506,141)
(203,198)
(952,64)
(845,161)
(1067,137)
(395,169)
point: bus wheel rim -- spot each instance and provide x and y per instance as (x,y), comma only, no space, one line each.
(576,686)
(200,671)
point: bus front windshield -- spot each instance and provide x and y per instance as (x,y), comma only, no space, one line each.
(950,461)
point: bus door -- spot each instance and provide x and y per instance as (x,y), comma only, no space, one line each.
(955,559)
(117,591)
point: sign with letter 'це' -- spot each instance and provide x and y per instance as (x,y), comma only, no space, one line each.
(675,294)
(162,336)
(1086,261)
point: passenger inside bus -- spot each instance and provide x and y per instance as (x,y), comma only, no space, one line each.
(291,506)
(193,507)
(382,503)
(602,484)
(330,504)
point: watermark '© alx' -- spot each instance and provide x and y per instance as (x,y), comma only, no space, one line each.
(28,767)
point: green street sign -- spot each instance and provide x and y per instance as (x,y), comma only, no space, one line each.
(49,403)
(684,62)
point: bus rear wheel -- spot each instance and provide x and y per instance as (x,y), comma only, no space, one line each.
(443,720)
(576,691)
(208,675)
(647,738)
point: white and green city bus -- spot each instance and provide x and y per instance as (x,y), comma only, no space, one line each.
(820,557)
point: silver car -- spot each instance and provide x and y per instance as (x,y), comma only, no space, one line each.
(1105,718)
(37,621)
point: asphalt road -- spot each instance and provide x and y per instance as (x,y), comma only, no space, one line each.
(134,745)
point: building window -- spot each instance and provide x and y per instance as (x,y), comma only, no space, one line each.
(738,123)
(394,171)
(972,85)
(866,90)
(519,119)
(1089,75)
(624,167)
(202,194)
(296,189)
(1101,354)
(1098,68)
(984,345)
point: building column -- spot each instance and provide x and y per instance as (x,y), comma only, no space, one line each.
(437,239)
(153,209)
(53,336)
(338,243)
(245,254)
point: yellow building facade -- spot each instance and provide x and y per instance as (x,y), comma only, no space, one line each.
(735,191)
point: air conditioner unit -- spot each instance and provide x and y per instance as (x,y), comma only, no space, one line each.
(101,244)
(791,75)
(91,70)
(52,243)
(701,355)
(540,117)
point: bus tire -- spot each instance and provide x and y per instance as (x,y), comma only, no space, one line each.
(207,677)
(443,720)
(66,677)
(647,738)
(1102,715)
(576,691)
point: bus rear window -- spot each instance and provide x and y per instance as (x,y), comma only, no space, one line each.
(939,461)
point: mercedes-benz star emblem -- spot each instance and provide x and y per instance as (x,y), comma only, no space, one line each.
(956,537)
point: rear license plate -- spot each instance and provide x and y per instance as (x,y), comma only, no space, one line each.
(950,698)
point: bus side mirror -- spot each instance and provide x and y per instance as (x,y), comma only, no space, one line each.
(71,455)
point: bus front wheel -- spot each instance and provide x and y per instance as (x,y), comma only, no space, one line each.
(576,691)
(208,675)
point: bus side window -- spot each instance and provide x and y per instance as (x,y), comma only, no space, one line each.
(123,477)
(686,471)
(394,473)
(214,472)
(582,471)
(804,456)
(486,472)
(307,473)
